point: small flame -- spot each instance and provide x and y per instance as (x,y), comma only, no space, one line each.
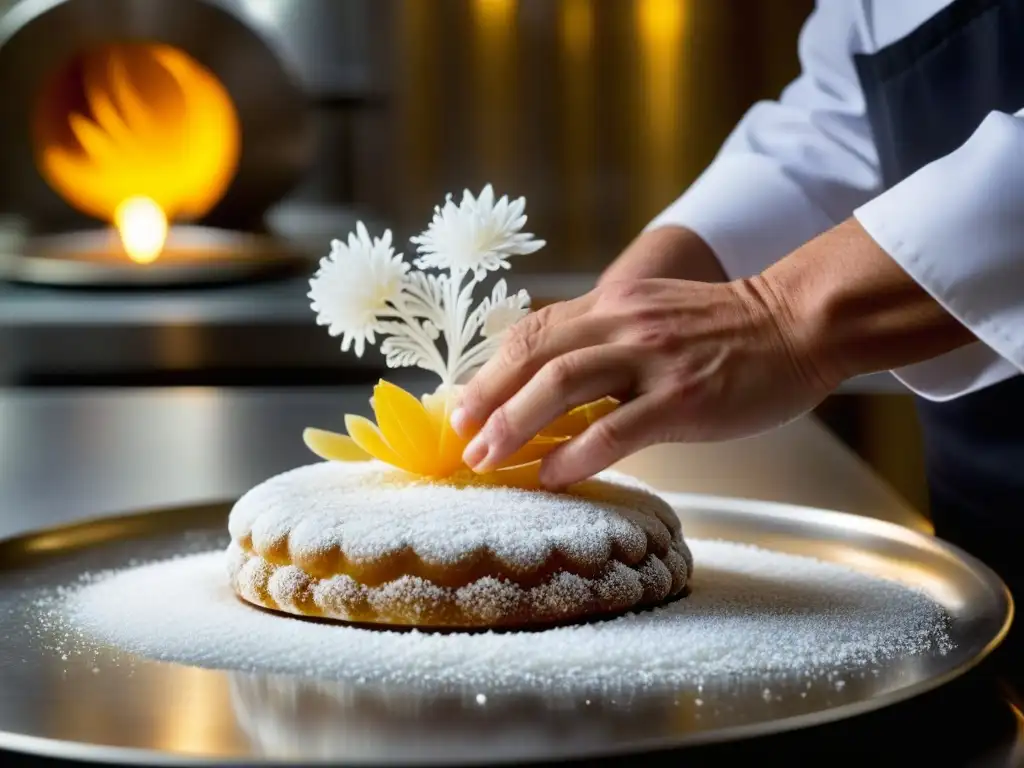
(137,120)
(142,226)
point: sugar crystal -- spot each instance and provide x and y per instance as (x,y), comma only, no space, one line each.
(751,612)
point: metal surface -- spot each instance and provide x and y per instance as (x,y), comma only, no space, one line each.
(137,710)
(192,256)
(48,332)
(37,36)
(189,335)
(69,453)
(339,48)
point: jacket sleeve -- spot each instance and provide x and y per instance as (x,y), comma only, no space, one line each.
(794,167)
(957,227)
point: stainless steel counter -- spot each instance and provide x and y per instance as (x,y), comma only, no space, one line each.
(45,334)
(67,454)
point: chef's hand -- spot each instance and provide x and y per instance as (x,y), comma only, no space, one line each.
(692,361)
(700,361)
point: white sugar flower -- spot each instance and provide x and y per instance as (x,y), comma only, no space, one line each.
(364,290)
(476,236)
(352,289)
(504,313)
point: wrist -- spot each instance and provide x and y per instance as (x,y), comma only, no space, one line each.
(786,328)
(847,308)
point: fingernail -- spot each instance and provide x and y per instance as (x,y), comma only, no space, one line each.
(476,453)
(461,423)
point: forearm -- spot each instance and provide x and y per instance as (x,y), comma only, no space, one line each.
(850,309)
(666,252)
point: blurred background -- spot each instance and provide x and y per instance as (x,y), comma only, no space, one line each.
(128,261)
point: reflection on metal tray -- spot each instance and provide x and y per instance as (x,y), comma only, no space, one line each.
(193,255)
(103,709)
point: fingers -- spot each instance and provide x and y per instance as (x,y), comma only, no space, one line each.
(530,343)
(627,429)
(572,379)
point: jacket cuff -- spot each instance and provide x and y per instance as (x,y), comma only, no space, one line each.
(748,212)
(957,227)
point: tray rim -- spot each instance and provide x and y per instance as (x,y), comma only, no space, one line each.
(46,747)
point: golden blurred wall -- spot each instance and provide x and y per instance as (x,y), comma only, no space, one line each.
(600,112)
(883,430)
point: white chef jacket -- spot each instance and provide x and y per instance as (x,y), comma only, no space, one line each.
(795,167)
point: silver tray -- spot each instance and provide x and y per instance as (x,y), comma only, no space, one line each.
(150,712)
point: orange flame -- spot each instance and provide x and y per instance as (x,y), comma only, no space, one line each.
(135,133)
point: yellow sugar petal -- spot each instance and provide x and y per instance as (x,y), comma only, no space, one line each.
(333,446)
(567,425)
(450,446)
(408,429)
(601,407)
(449,452)
(366,435)
(535,450)
(439,405)
(525,476)
(578,419)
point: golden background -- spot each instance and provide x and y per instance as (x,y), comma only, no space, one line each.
(600,112)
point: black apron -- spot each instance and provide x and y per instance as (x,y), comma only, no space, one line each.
(926,94)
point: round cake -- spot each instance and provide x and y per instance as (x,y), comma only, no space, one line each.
(364,542)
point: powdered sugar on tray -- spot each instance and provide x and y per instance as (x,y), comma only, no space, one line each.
(751,612)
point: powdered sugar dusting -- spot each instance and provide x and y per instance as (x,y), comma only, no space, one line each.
(370,512)
(752,612)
